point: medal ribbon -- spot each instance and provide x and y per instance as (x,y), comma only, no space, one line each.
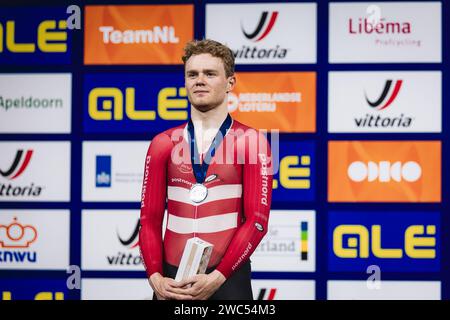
(201,169)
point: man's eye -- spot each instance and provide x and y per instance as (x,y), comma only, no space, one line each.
(210,74)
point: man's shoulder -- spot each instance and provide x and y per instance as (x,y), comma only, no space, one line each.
(242,130)
(170,133)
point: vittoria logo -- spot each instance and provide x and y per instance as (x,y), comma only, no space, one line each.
(130,242)
(17,236)
(384,100)
(263,28)
(267,294)
(133,240)
(19,164)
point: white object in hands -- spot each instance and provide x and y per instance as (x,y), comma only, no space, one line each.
(195,259)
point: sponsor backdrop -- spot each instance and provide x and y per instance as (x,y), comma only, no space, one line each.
(358,90)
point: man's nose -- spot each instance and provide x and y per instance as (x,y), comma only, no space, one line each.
(200,79)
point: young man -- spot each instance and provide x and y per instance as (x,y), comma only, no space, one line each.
(216,175)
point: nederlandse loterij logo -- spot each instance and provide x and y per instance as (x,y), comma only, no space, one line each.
(19,164)
(263,27)
(17,236)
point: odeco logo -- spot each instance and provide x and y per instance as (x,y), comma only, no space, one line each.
(384,171)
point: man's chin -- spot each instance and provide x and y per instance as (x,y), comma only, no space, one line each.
(203,107)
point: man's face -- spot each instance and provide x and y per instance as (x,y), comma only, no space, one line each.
(206,82)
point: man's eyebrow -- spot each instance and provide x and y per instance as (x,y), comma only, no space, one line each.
(204,70)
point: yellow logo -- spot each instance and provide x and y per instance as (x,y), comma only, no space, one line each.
(293,176)
(6,295)
(115,101)
(420,242)
(48,39)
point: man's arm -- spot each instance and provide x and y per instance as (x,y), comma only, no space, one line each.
(153,202)
(257,198)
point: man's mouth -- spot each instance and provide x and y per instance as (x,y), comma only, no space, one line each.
(200,91)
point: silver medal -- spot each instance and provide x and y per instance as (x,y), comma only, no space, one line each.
(198,193)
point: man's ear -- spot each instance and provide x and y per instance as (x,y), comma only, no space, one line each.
(231,83)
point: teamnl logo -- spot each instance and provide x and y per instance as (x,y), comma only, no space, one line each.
(256,31)
(15,240)
(19,165)
(130,243)
(382,102)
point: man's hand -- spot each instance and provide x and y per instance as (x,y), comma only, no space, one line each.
(167,288)
(203,286)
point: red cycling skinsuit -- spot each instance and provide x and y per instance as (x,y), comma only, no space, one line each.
(233,217)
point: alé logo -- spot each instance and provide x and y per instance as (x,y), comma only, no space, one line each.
(263,27)
(20,163)
(267,294)
(129,241)
(383,101)
(17,238)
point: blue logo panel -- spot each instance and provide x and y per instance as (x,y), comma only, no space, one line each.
(394,241)
(295,179)
(31,36)
(103,172)
(33,289)
(134,103)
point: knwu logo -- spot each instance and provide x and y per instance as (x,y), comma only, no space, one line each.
(17,236)
(384,171)
(263,28)
(16,170)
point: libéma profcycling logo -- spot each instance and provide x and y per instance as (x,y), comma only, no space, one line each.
(263,28)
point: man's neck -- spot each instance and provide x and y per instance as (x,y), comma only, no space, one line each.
(210,120)
(207,124)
